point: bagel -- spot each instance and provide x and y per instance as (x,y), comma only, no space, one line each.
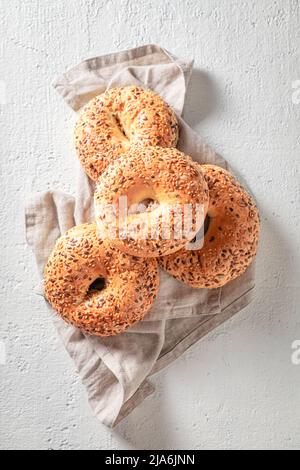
(122,116)
(95,287)
(166,178)
(231,240)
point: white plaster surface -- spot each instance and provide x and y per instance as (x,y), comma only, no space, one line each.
(237,388)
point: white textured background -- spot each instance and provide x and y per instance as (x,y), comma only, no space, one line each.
(238,387)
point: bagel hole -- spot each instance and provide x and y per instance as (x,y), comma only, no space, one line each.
(146,205)
(203,230)
(118,122)
(98,285)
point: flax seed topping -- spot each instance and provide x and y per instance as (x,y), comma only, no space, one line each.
(231,240)
(168,178)
(110,123)
(94,286)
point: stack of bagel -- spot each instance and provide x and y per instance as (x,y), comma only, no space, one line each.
(102,277)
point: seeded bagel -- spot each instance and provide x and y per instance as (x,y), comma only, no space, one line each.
(231,240)
(173,184)
(122,116)
(98,289)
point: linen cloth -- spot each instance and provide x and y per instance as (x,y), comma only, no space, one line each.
(115,371)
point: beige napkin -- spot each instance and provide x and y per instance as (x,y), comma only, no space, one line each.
(115,370)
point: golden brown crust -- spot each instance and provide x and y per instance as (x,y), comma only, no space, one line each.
(164,175)
(78,259)
(230,244)
(122,116)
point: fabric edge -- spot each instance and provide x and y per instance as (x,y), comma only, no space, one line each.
(62,84)
(107,60)
(214,322)
(144,391)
